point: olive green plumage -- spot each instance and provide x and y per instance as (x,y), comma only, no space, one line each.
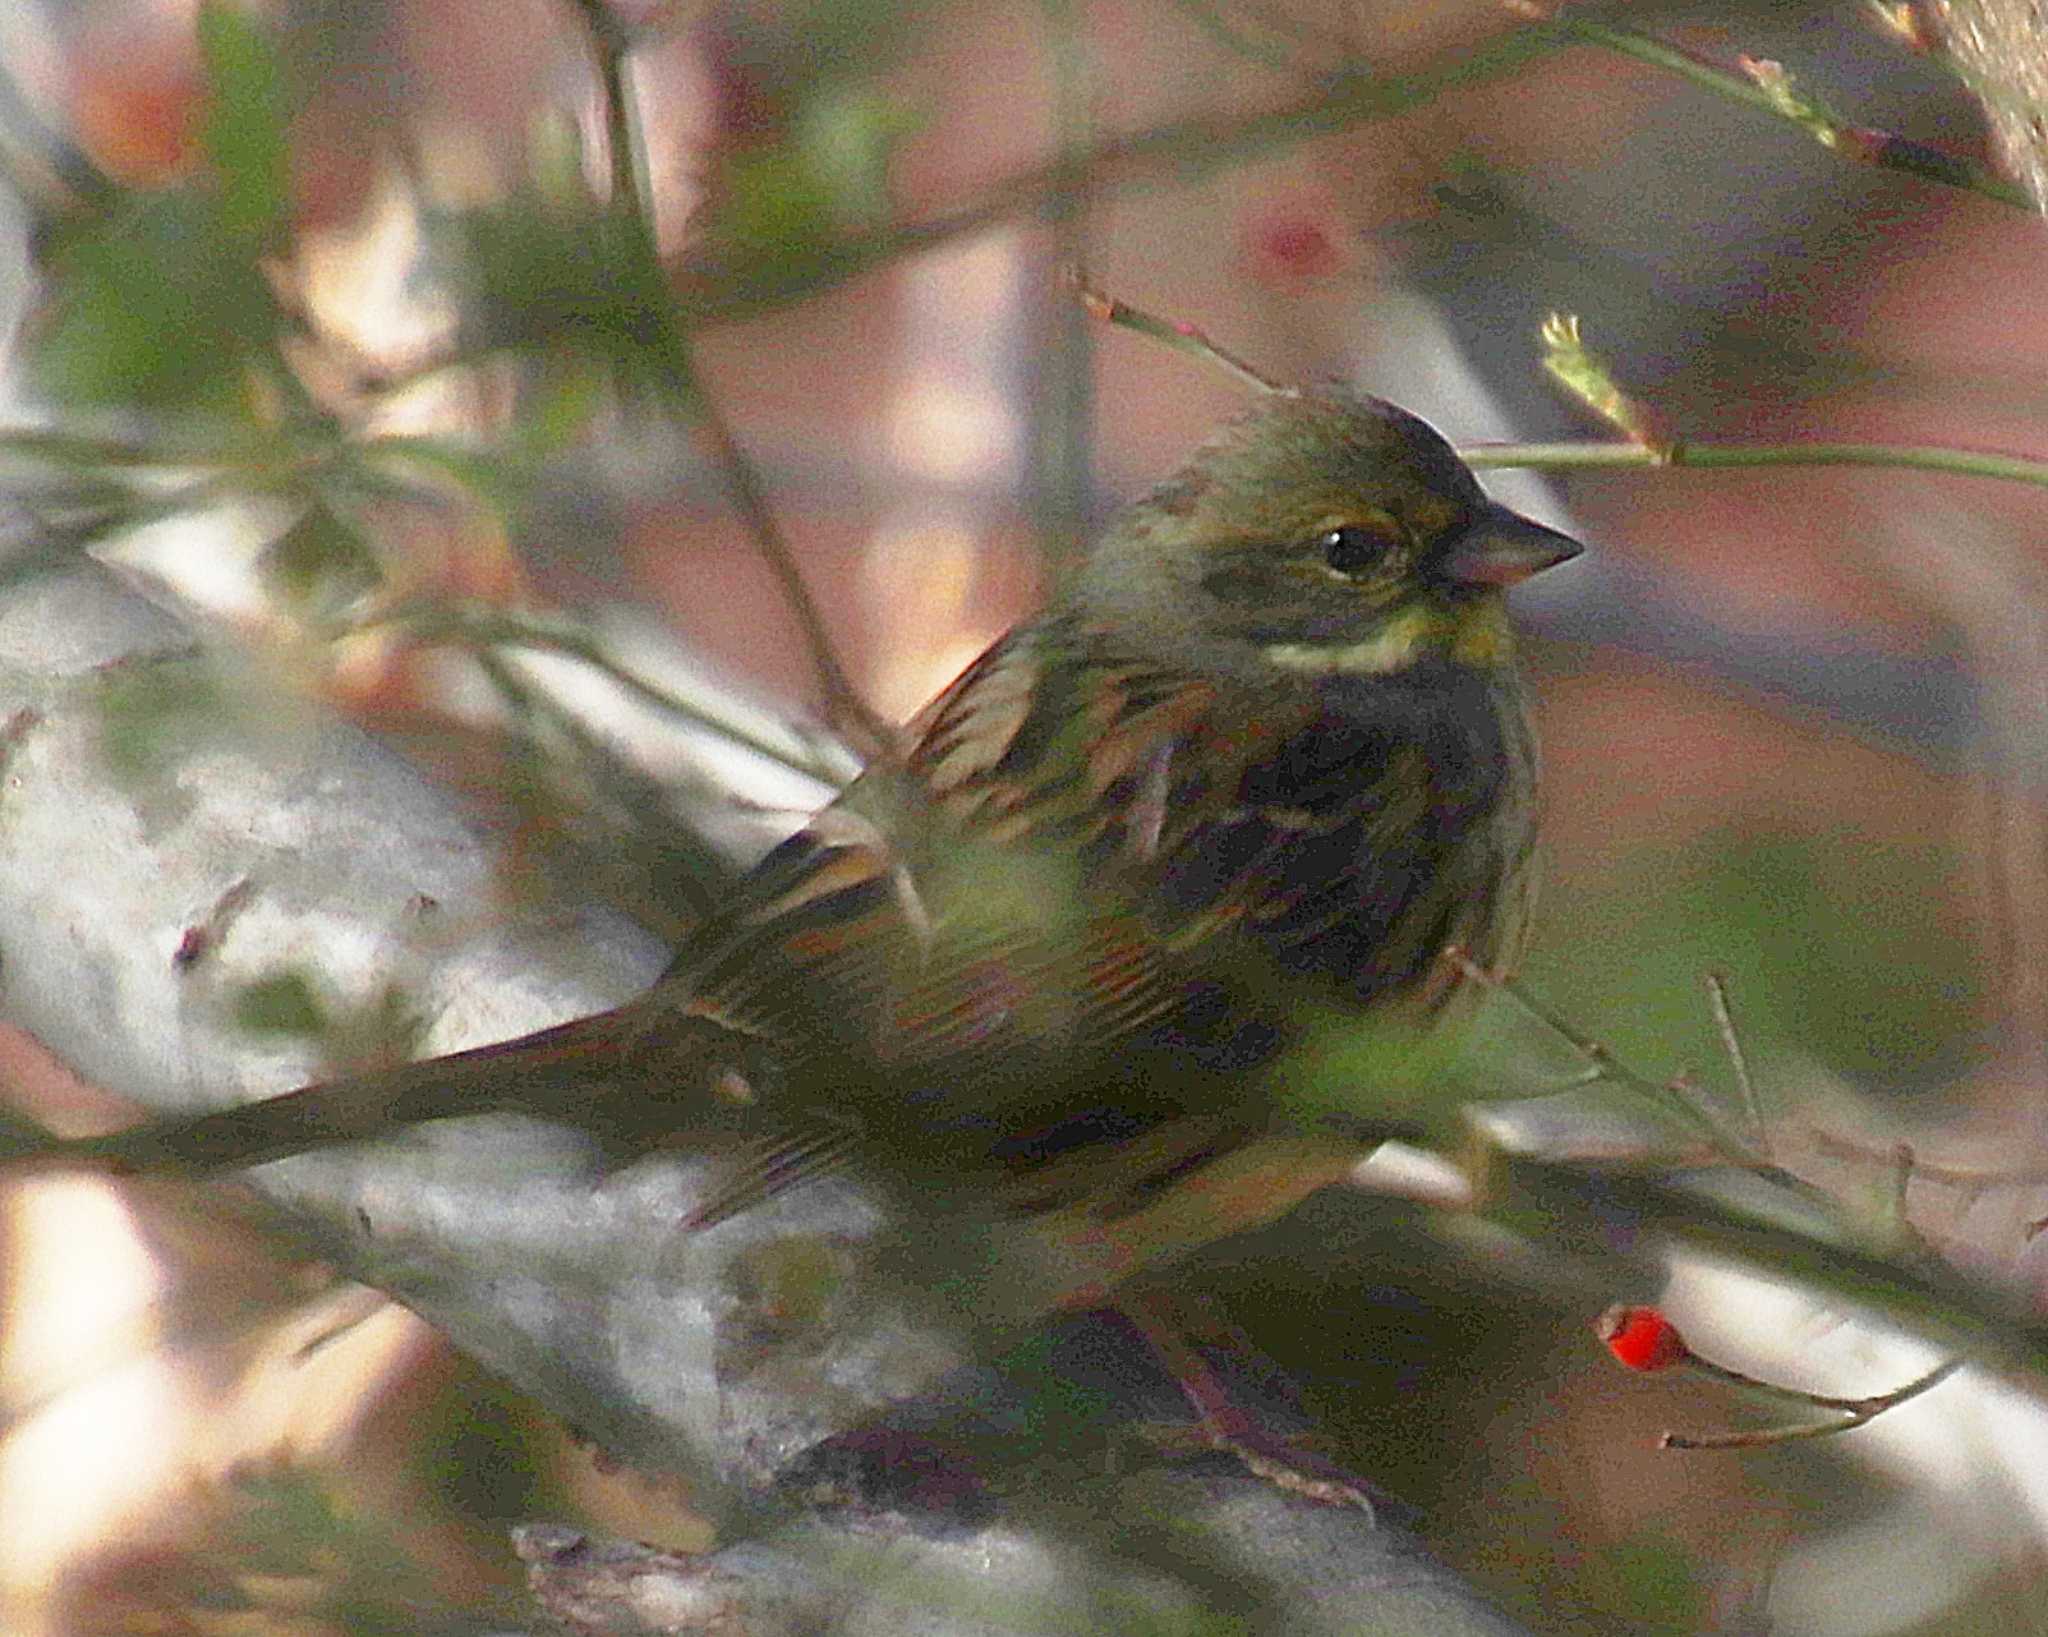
(1264,756)
(1268,747)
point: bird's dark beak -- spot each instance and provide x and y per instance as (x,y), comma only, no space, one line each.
(1503,548)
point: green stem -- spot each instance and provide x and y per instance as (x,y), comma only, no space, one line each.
(1559,457)
(1182,338)
(612,50)
(1064,408)
(479,628)
(683,388)
(1880,148)
(728,292)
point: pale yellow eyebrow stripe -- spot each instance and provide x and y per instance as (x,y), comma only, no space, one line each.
(1476,636)
(1388,649)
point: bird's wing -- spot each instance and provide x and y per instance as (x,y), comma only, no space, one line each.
(1018,927)
(967,942)
(989,886)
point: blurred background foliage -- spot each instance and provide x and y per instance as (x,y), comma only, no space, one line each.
(354,332)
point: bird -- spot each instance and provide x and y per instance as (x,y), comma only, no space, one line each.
(1263,757)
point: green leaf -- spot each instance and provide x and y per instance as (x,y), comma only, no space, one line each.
(539,277)
(776,205)
(246,121)
(847,137)
(160,307)
(402,464)
(321,567)
(561,408)
(161,303)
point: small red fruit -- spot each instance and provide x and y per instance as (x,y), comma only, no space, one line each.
(1289,245)
(1641,1338)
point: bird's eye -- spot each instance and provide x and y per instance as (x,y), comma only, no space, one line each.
(1353,550)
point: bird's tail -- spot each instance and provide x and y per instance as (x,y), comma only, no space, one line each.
(584,1073)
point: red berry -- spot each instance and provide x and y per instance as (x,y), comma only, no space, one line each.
(1289,246)
(1641,1338)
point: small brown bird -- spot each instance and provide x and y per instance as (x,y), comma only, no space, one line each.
(1259,763)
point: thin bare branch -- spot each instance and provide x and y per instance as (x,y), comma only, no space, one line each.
(1767,88)
(1179,336)
(1855,1412)
(1601,1062)
(1963,1179)
(728,291)
(844,707)
(1738,1059)
(482,625)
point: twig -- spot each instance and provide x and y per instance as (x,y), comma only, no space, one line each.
(1738,1060)
(1604,1065)
(1771,92)
(612,49)
(1587,1047)
(731,291)
(1855,1412)
(474,625)
(844,707)
(1181,337)
(1557,457)
(1670,1095)
(1960,1178)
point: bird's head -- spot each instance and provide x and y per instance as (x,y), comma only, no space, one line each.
(1322,533)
